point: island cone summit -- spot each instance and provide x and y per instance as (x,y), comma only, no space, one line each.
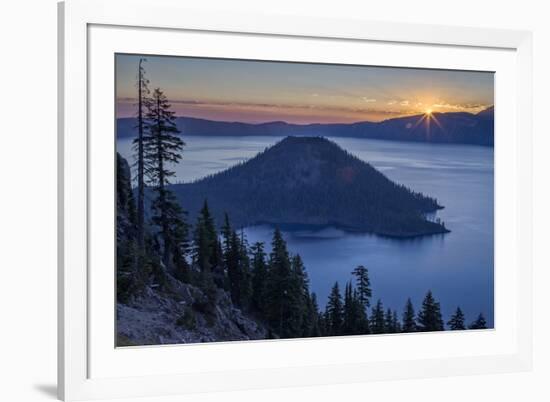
(311,181)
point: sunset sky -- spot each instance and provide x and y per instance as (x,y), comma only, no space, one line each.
(258,91)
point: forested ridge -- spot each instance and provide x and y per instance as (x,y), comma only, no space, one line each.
(312,181)
(183,279)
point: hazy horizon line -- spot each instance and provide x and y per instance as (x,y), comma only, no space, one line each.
(411,114)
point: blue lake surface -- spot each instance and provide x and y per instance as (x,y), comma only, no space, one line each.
(457,267)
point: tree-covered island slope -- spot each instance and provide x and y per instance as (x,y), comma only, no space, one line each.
(311,181)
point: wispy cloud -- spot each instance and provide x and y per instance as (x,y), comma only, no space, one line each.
(259,105)
(303,112)
(317,112)
(470,107)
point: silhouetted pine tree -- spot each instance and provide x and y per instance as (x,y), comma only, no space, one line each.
(456,322)
(259,277)
(223,250)
(233,266)
(297,298)
(279,275)
(130,279)
(314,311)
(396,324)
(139,149)
(335,311)
(219,270)
(355,320)
(206,250)
(178,232)
(429,317)
(409,318)
(207,257)
(377,319)
(226,232)
(306,305)
(364,327)
(170,218)
(388,322)
(362,284)
(245,276)
(349,311)
(479,323)
(161,147)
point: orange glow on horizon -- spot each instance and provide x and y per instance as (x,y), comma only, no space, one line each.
(297,114)
(261,91)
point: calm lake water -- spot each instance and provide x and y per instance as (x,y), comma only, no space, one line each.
(457,267)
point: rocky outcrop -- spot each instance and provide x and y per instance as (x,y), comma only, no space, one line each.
(126,213)
(182,314)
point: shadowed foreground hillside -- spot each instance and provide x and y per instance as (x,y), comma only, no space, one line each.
(311,181)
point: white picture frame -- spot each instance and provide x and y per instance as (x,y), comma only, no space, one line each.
(90,367)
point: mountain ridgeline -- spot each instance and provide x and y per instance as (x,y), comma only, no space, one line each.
(450,128)
(311,182)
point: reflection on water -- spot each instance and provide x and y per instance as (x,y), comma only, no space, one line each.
(457,266)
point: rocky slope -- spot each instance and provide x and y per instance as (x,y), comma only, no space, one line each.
(156,308)
(182,315)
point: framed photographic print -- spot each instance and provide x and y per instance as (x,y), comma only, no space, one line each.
(244,205)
